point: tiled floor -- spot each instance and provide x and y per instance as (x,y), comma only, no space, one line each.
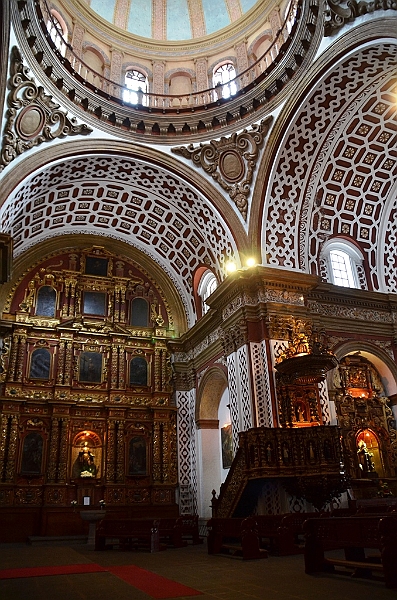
(218,577)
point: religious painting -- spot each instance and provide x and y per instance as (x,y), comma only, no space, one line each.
(139,313)
(40,364)
(90,367)
(138,371)
(137,456)
(46,301)
(94,304)
(97,266)
(32,455)
(227,446)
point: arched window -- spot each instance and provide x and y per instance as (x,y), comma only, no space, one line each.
(223,80)
(207,286)
(342,264)
(137,87)
(139,312)
(58,32)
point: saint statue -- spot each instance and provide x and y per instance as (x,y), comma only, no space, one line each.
(84,465)
(365,462)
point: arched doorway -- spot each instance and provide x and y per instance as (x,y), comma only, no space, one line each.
(213,431)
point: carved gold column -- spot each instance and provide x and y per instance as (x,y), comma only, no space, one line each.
(157,370)
(13,357)
(63,451)
(68,362)
(21,357)
(12,448)
(110,452)
(157,451)
(8,446)
(3,443)
(120,452)
(53,457)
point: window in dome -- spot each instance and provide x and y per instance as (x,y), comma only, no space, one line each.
(223,78)
(137,87)
(207,286)
(342,263)
(58,33)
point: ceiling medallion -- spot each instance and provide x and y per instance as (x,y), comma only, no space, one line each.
(306,358)
(32,116)
(231,161)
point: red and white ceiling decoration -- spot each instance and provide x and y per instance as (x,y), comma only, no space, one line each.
(336,169)
(130,200)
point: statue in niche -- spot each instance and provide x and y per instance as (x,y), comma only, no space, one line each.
(365,463)
(84,465)
(300,412)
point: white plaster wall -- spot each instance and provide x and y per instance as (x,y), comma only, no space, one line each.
(209,468)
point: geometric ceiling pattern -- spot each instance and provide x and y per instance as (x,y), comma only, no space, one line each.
(171,19)
(130,200)
(336,171)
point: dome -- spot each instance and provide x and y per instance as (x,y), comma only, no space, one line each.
(171,20)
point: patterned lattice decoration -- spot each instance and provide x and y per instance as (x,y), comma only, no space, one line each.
(187,465)
(336,168)
(262,394)
(270,501)
(324,403)
(126,199)
(245,401)
(233,398)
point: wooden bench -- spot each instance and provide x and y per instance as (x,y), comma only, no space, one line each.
(236,537)
(353,535)
(290,535)
(128,534)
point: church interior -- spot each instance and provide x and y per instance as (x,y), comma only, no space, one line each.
(198,260)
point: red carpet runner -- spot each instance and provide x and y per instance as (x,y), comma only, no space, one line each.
(48,571)
(154,585)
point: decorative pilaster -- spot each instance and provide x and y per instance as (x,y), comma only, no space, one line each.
(202,74)
(185,401)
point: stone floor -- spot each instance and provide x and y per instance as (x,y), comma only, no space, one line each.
(218,577)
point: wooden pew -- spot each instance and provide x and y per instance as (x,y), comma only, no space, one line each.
(353,535)
(237,537)
(290,536)
(128,534)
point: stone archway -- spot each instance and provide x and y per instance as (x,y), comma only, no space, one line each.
(212,392)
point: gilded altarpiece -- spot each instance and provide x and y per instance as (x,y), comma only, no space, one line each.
(367,424)
(86,403)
